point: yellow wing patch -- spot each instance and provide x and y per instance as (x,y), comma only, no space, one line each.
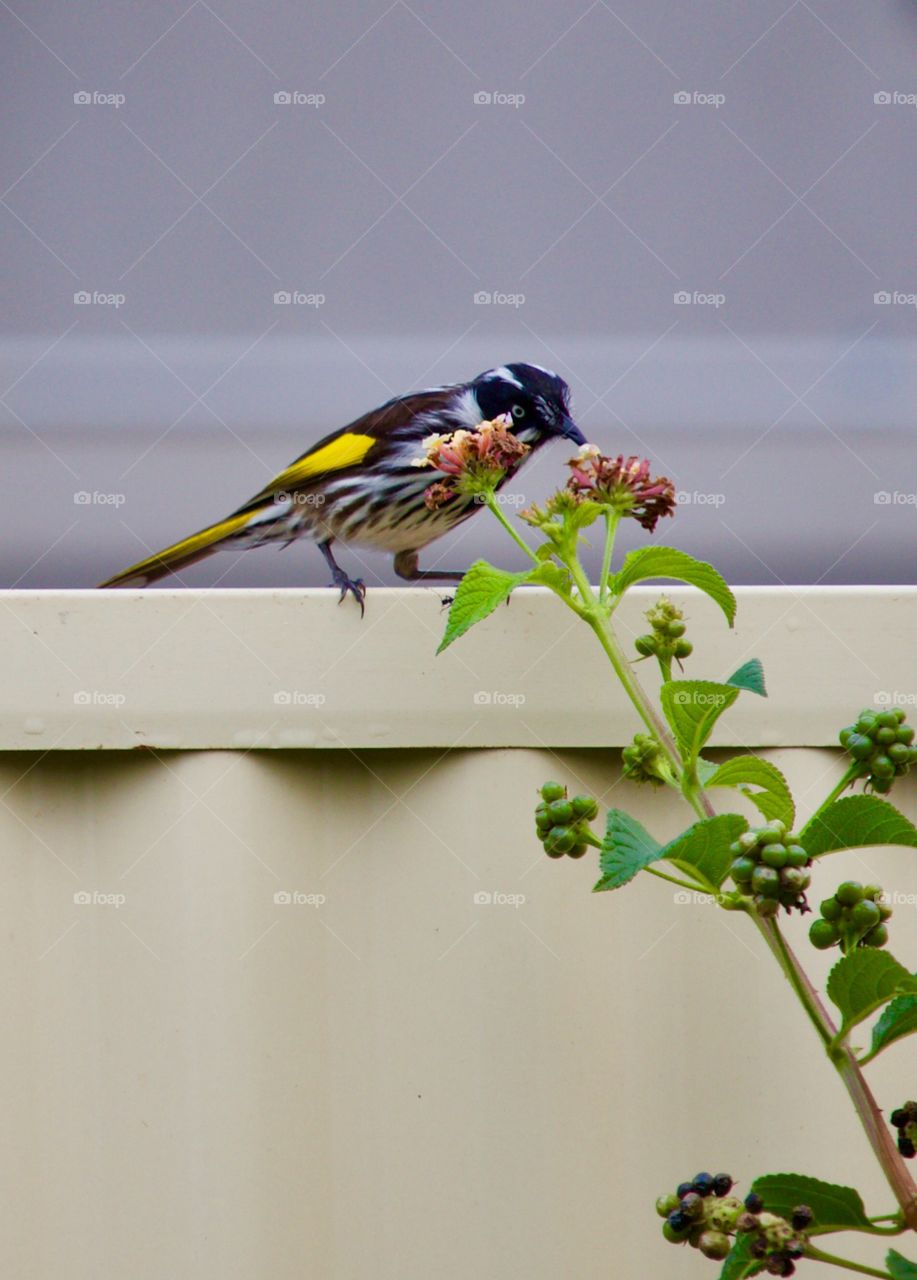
(345,451)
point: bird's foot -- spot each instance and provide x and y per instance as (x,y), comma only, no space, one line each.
(355,586)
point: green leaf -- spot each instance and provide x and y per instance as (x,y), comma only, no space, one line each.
(854,822)
(703,850)
(667,562)
(739,1263)
(692,708)
(626,849)
(773,796)
(479,592)
(899,1268)
(835,1208)
(866,979)
(549,574)
(750,676)
(897,1021)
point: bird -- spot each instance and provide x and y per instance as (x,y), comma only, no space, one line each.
(362,486)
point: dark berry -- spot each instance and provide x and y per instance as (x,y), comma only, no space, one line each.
(801,1217)
(703,1183)
(679,1221)
(753,1202)
(692,1205)
(683,1188)
(722,1184)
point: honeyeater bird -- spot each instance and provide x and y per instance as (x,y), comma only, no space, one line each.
(362,485)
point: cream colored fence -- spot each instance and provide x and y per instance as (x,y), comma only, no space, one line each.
(330,1012)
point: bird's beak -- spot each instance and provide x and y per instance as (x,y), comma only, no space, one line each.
(570,431)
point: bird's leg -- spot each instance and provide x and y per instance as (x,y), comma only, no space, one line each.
(405,565)
(356,586)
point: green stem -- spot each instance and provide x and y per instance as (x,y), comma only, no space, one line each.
(493,506)
(796,978)
(612,520)
(817,1256)
(852,773)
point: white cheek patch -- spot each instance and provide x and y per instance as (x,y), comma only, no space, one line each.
(503,375)
(467,409)
(542,369)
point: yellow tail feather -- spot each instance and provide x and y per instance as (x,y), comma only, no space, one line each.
(180,554)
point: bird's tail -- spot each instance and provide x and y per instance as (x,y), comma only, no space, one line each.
(180,555)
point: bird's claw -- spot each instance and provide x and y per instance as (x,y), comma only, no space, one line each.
(356,587)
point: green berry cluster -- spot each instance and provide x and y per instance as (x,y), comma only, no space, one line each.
(702,1213)
(666,640)
(882,744)
(854,917)
(771,865)
(562,825)
(645,761)
(905,1121)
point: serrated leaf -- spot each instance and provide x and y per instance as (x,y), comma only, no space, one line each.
(739,1262)
(835,1208)
(626,849)
(865,980)
(750,676)
(480,591)
(773,797)
(703,850)
(897,1021)
(692,708)
(667,562)
(898,1267)
(856,821)
(549,574)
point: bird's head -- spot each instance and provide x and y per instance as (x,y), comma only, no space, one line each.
(537,401)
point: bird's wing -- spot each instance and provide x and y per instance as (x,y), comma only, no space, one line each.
(351,446)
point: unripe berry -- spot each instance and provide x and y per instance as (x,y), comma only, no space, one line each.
(774,855)
(882,767)
(673,1234)
(675,629)
(666,1205)
(645,646)
(823,934)
(864,915)
(748,840)
(885,735)
(692,1205)
(724,1214)
(866,721)
(796,879)
(859,746)
(886,720)
(899,753)
(553,791)
(767,907)
(683,649)
(578,851)
(796,855)
(830,909)
(742,870)
(766,882)
(585,807)
(714,1244)
(561,812)
(849,893)
(877,936)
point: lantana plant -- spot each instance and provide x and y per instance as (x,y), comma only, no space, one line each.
(760,871)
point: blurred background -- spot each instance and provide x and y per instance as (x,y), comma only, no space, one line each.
(231,226)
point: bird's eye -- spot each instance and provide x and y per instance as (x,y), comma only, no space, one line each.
(518,411)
